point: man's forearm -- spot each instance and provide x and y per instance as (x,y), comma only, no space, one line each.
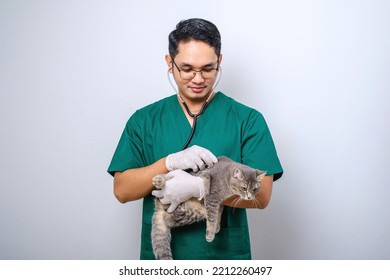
(134,184)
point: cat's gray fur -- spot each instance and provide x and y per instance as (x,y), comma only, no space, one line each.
(226,178)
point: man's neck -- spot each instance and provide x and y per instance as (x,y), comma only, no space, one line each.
(194,105)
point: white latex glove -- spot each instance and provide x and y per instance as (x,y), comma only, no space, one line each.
(195,158)
(179,187)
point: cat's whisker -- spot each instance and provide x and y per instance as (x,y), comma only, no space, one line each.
(236,201)
(255,203)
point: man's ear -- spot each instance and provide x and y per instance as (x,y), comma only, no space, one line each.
(168,60)
(220,59)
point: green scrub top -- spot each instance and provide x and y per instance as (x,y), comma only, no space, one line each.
(226,128)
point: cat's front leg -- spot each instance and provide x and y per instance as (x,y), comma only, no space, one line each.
(205,176)
(159,181)
(218,226)
(212,220)
(210,231)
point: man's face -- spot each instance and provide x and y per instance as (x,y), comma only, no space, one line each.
(194,55)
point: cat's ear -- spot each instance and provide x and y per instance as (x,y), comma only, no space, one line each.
(260,175)
(237,173)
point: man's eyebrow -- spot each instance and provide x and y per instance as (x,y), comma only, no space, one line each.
(184,64)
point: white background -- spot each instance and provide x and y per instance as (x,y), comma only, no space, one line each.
(72,73)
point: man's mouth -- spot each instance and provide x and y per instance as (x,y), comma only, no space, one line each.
(198,89)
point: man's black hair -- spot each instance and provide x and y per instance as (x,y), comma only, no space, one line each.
(194,29)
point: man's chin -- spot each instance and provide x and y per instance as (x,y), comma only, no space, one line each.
(196,96)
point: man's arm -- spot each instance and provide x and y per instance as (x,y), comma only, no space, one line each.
(261,201)
(134,184)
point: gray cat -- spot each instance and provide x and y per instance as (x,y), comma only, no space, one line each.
(226,178)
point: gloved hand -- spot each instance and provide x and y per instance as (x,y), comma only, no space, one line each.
(179,187)
(195,158)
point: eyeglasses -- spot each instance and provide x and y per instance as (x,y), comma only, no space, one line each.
(188,74)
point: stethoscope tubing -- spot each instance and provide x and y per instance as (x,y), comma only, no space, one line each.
(195,116)
(194,121)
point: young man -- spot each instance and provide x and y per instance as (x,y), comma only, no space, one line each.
(152,140)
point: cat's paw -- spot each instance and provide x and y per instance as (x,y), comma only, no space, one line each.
(158,181)
(164,257)
(210,236)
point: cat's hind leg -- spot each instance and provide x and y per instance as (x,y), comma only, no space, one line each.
(161,233)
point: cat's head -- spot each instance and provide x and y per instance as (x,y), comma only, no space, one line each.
(246,182)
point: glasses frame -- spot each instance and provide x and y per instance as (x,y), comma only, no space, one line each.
(195,71)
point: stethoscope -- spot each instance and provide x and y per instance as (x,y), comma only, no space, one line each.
(195,117)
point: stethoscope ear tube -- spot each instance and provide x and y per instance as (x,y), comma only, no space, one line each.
(177,90)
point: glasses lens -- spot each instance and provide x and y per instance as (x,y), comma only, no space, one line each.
(187,75)
(209,73)
(206,74)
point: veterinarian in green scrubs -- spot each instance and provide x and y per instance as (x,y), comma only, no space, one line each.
(226,128)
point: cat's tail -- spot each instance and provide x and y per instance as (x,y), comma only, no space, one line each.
(161,234)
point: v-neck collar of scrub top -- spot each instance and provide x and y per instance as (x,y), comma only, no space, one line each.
(182,118)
